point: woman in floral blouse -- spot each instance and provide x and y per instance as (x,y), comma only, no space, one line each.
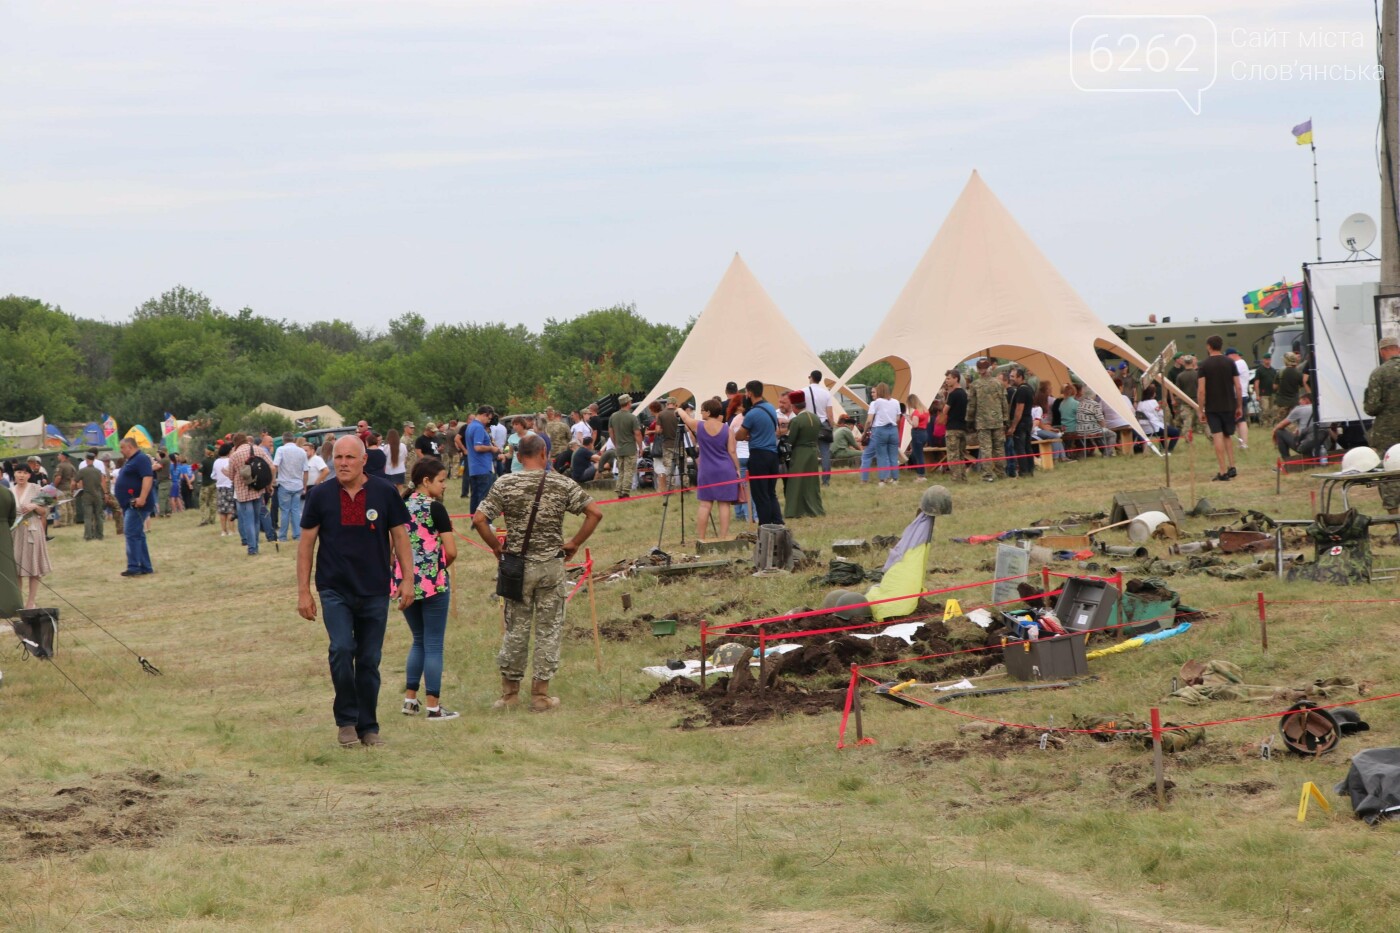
(434,550)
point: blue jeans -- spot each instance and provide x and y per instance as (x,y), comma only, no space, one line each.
(138,556)
(918,440)
(427,620)
(289,505)
(481,484)
(867,459)
(252,517)
(356,626)
(885,440)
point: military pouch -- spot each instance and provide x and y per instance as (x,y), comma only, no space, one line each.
(510,571)
(510,577)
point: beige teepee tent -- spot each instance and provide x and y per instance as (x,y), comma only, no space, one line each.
(741,335)
(984,289)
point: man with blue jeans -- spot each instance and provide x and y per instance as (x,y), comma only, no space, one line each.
(761,431)
(357,520)
(248,502)
(290,469)
(132,488)
(481,457)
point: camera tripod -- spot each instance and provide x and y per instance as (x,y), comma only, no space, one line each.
(683,477)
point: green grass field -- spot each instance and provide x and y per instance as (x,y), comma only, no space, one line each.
(215,796)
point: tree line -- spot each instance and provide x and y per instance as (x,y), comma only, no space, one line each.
(181,353)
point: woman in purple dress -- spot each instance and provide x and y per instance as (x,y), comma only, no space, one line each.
(718,464)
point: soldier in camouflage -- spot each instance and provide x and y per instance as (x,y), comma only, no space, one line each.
(1382,402)
(557,432)
(514,496)
(987,413)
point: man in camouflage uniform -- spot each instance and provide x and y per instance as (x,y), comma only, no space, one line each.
(1382,402)
(546,587)
(986,412)
(626,433)
(557,432)
(1188,380)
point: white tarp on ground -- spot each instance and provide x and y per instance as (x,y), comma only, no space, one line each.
(24,435)
(984,288)
(740,335)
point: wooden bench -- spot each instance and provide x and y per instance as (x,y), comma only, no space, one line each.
(1045,458)
(1078,446)
(938,456)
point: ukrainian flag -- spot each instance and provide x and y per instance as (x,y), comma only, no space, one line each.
(1303,133)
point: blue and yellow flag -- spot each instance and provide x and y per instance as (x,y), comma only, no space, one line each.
(1302,133)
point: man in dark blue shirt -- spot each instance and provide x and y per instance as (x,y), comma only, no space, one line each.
(761,431)
(355,518)
(581,466)
(481,457)
(133,491)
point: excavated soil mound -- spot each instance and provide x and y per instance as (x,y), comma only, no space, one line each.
(125,809)
(737,700)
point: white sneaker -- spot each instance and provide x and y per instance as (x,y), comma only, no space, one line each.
(410,707)
(442,713)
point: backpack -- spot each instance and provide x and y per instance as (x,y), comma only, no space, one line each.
(256,472)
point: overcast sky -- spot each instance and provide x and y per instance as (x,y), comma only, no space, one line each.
(524,160)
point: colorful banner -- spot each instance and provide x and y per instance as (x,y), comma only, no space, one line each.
(170,433)
(1277,300)
(109,431)
(1302,133)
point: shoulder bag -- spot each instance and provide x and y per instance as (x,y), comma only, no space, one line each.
(826,432)
(510,572)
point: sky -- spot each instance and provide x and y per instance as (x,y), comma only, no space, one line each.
(518,161)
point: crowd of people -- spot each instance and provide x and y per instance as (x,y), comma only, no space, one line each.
(364,509)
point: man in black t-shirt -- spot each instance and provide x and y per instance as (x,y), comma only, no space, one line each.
(955,421)
(1022,400)
(1218,395)
(429,444)
(360,525)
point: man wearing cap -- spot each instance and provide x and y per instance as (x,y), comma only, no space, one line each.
(92,486)
(1187,380)
(1382,402)
(37,474)
(626,433)
(482,451)
(448,442)
(1292,382)
(429,445)
(1241,373)
(987,412)
(556,431)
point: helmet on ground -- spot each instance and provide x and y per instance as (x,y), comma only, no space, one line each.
(1392,458)
(848,598)
(1360,460)
(936,500)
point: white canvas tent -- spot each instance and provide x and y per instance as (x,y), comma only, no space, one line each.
(327,416)
(741,335)
(24,435)
(984,289)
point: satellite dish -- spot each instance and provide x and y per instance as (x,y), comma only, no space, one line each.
(1358,232)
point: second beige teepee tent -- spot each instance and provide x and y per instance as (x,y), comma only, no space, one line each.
(740,335)
(984,289)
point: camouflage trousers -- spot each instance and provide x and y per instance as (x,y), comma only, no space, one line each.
(626,472)
(543,607)
(1185,420)
(956,454)
(208,504)
(991,442)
